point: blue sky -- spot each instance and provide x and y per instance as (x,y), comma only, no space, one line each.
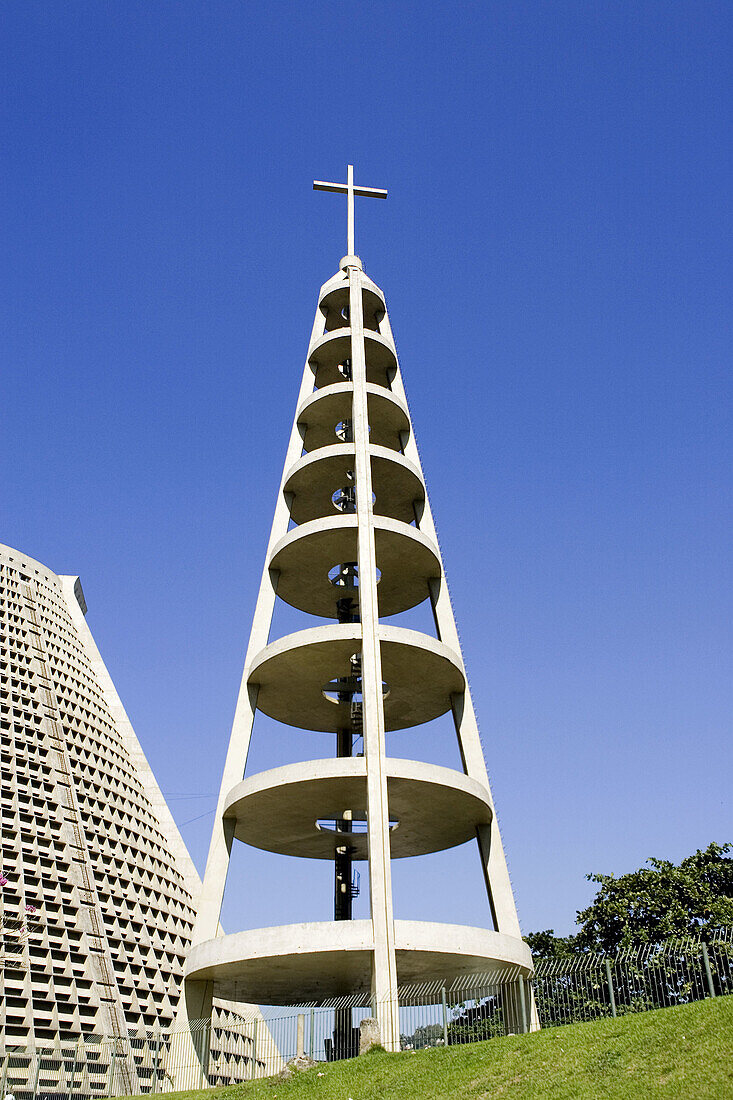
(556,254)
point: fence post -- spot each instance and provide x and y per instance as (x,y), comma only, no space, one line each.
(5,1073)
(205,1054)
(300,1036)
(311,1041)
(156,1061)
(254,1049)
(445,1016)
(36,1078)
(609,979)
(708,971)
(112,1061)
(523,1006)
(73,1072)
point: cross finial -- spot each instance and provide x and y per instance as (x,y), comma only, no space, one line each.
(350,191)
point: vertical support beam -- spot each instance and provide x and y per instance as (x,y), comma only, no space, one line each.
(217,863)
(208,910)
(534,1016)
(384,965)
(445,1016)
(156,1061)
(199,1003)
(37,1075)
(491,851)
(523,1017)
(112,1066)
(254,1049)
(73,1071)
(203,1049)
(708,971)
(609,980)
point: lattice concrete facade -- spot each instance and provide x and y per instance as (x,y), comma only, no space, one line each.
(98,890)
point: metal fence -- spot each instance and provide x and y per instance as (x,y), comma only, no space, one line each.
(478,1007)
(651,976)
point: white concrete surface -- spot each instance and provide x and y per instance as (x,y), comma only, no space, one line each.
(298,963)
(434,808)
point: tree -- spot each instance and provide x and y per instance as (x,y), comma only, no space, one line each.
(656,903)
(429,1035)
(474,1020)
(546,945)
(650,905)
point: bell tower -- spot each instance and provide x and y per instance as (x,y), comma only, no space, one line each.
(353,543)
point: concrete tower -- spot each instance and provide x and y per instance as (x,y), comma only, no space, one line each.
(353,542)
(97,890)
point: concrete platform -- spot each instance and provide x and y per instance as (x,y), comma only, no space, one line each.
(337,299)
(297,963)
(435,808)
(334,347)
(339,283)
(319,414)
(420,672)
(406,557)
(312,480)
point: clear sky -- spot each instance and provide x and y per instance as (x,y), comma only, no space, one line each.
(556,254)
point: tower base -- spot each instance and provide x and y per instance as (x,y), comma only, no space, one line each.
(299,963)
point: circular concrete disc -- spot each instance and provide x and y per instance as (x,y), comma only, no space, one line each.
(314,478)
(303,557)
(298,963)
(323,410)
(420,672)
(332,303)
(435,808)
(334,347)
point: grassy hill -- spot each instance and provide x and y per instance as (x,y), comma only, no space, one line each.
(684,1052)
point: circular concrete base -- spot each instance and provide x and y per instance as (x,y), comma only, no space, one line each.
(291,673)
(435,808)
(294,964)
(406,557)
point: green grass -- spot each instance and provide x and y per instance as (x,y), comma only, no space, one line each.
(675,1052)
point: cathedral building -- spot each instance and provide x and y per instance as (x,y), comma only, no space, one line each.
(97,889)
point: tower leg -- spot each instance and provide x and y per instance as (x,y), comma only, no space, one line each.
(199,1005)
(195,1004)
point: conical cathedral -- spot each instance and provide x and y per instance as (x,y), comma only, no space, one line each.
(353,544)
(97,890)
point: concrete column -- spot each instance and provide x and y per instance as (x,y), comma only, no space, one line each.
(217,864)
(384,966)
(491,851)
(199,997)
(209,905)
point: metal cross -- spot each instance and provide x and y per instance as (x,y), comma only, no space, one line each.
(350,191)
